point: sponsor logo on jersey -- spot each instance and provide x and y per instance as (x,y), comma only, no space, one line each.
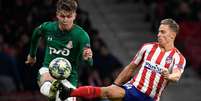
(64,51)
(153,66)
(49,38)
(69,45)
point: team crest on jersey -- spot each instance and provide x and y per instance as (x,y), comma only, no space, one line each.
(69,45)
(169,60)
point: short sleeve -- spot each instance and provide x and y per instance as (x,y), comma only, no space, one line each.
(179,62)
(140,54)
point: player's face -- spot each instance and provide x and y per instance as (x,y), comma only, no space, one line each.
(65,17)
(165,35)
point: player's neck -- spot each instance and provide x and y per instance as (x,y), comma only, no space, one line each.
(65,26)
(167,47)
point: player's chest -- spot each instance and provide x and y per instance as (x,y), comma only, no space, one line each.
(61,40)
(157,60)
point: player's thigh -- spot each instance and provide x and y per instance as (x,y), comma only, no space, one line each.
(112,92)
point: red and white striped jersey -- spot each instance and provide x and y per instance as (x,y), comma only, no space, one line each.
(151,60)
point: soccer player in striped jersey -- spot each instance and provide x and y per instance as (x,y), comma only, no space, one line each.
(159,63)
(64,39)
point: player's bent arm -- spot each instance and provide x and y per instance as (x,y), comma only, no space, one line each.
(126,74)
(177,70)
(34,41)
(85,48)
(31,58)
(175,75)
(87,56)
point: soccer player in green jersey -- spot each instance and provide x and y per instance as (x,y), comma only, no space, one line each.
(64,39)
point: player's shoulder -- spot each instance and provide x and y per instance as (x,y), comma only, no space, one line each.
(150,44)
(79,30)
(48,24)
(179,54)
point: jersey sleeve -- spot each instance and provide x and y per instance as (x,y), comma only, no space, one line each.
(179,62)
(35,39)
(85,43)
(139,56)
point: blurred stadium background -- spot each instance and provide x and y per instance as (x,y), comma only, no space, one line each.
(117,29)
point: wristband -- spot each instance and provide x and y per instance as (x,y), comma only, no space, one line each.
(116,84)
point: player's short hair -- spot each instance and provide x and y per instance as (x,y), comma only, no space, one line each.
(67,5)
(171,23)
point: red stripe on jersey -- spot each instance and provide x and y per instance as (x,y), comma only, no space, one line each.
(171,55)
(141,59)
(140,65)
(137,53)
(151,82)
(152,52)
(141,83)
(162,53)
(161,78)
(153,74)
(159,87)
(133,80)
(181,61)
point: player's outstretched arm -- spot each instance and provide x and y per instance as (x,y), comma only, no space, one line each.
(126,74)
(31,58)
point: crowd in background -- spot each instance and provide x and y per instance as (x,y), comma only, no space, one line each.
(18,18)
(180,10)
(188,14)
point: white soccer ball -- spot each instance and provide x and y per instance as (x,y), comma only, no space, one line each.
(60,68)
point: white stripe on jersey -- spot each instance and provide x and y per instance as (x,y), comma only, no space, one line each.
(153,91)
(146,82)
(139,75)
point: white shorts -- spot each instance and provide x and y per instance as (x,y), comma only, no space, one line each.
(43,70)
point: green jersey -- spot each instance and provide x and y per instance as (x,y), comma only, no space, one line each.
(66,44)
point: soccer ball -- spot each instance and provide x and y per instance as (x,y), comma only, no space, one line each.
(60,68)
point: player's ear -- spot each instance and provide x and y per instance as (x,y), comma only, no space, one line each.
(173,36)
(75,15)
(57,14)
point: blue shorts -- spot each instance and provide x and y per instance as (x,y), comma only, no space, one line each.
(133,94)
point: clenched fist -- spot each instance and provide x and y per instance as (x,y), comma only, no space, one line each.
(165,73)
(30,60)
(87,53)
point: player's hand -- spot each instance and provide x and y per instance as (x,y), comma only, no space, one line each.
(30,60)
(165,73)
(87,53)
